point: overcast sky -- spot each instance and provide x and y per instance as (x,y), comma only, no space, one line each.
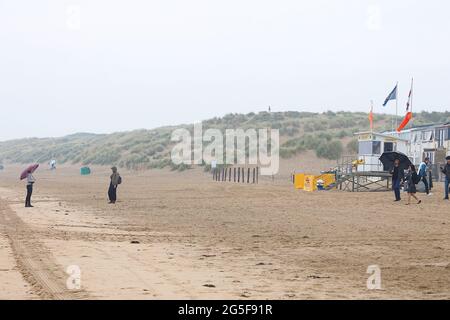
(113,65)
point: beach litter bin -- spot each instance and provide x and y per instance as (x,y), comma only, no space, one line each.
(85,171)
(299,181)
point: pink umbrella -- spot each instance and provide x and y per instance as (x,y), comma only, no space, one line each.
(32,168)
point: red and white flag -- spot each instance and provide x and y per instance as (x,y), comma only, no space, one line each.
(409,114)
(371,116)
(408,104)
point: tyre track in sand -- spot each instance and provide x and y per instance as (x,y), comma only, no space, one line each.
(34,260)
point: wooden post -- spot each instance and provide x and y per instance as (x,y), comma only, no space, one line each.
(243,175)
(234,174)
(229,175)
(226,171)
(239,174)
(248,175)
(254,173)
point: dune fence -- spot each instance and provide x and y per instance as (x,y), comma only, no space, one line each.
(236,174)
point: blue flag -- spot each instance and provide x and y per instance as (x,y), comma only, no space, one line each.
(392,96)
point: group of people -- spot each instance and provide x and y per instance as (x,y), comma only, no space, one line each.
(115,180)
(409,181)
(413,177)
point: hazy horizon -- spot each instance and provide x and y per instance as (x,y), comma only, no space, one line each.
(109,66)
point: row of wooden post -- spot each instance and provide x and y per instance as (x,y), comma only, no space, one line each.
(236,174)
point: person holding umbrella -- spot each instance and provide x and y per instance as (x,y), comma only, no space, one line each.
(398,175)
(397,162)
(28,174)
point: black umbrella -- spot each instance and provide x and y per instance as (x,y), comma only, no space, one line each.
(388,158)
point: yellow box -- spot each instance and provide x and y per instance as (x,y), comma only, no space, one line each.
(299,181)
(310,183)
(328,179)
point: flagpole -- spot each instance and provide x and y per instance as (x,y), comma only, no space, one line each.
(412,97)
(371,116)
(392,122)
(396,109)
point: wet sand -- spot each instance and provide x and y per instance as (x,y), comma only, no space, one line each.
(181,235)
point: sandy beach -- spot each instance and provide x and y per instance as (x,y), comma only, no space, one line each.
(184,236)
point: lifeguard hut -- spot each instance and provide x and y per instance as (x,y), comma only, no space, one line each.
(365,172)
(372,145)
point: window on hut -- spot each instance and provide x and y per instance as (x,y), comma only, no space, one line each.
(440,134)
(369,147)
(376,147)
(388,146)
(365,147)
(427,136)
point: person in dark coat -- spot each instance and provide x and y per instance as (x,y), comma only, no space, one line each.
(446,170)
(115,181)
(410,181)
(398,176)
(430,174)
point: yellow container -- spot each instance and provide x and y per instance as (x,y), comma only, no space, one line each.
(310,183)
(299,181)
(328,179)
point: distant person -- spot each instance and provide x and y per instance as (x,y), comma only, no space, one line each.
(430,175)
(446,170)
(52,164)
(30,181)
(411,179)
(116,179)
(398,176)
(423,172)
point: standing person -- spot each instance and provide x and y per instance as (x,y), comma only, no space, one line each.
(398,176)
(423,172)
(411,179)
(116,179)
(430,175)
(30,181)
(446,171)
